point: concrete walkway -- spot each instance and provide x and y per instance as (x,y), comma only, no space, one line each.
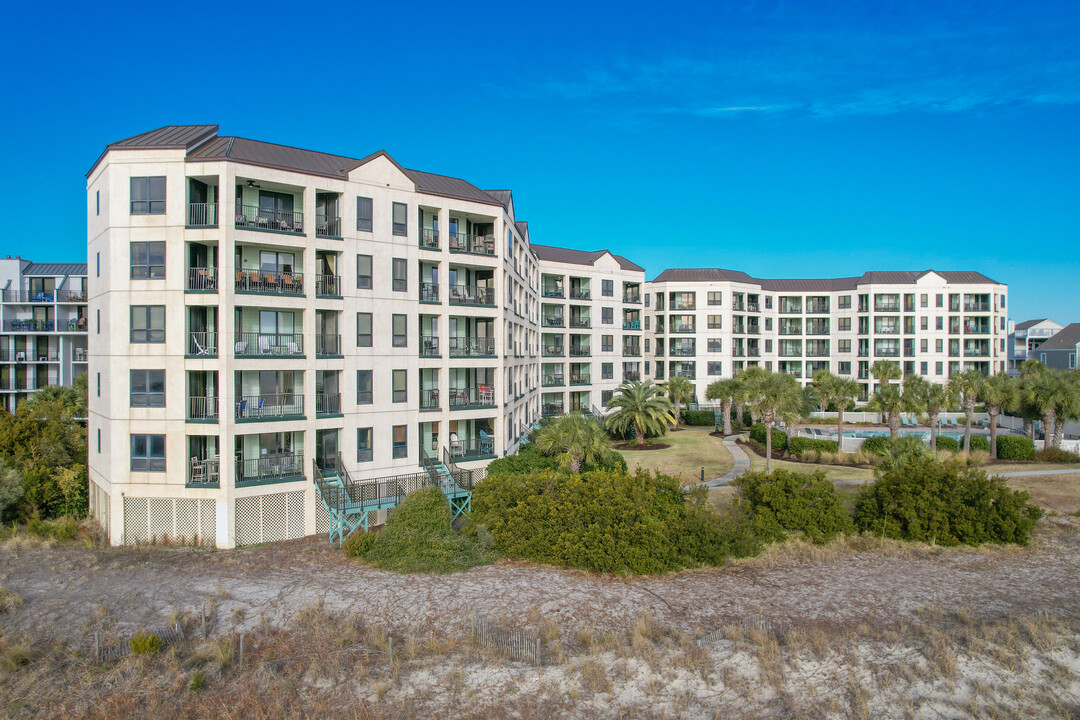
(742,464)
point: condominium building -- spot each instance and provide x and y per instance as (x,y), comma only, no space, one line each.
(590,327)
(1026,337)
(707,324)
(43,309)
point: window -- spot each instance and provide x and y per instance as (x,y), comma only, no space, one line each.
(148,195)
(364,451)
(97,264)
(606,316)
(715,345)
(99,441)
(147,260)
(939,301)
(715,298)
(843,346)
(401,389)
(843,302)
(939,323)
(844,368)
(363,329)
(607,371)
(843,324)
(363,214)
(401,279)
(363,272)
(768,323)
(401,441)
(607,287)
(716,322)
(363,387)
(923,368)
(400,323)
(937,368)
(147,323)
(97,199)
(924,323)
(99,384)
(97,324)
(715,368)
(768,302)
(924,301)
(147,388)
(939,345)
(605,397)
(646,319)
(400,223)
(607,343)
(148,453)
(924,346)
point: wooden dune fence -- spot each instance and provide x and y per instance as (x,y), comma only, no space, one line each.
(168,636)
(514,643)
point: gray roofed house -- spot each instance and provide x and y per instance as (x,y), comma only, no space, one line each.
(580,257)
(1029,323)
(1059,352)
(54,269)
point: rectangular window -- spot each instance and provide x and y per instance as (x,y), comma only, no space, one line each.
(401,226)
(646,319)
(401,441)
(607,287)
(605,397)
(364,448)
(923,367)
(607,316)
(939,323)
(715,298)
(99,441)
(363,272)
(939,302)
(924,301)
(97,264)
(147,323)
(363,387)
(607,343)
(147,388)
(844,368)
(147,260)
(99,384)
(844,302)
(937,368)
(607,371)
(400,327)
(401,279)
(715,345)
(843,346)
(400,385)
(97,323)
(843,324)
(363,214)
(148,453)
(716,322)
(939,345)
(924,323)
(363,329)
(924,345)
(97,197)
(148,195)
(715,368)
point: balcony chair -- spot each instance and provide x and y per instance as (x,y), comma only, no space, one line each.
(457,449)
(198,471)
(487,395)
(487,444)
(264,344)
(240,408)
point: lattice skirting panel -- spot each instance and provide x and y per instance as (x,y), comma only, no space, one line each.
(99,505)
(322,519)
(180,520)
(268,518)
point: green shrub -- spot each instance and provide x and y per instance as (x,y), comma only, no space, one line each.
(608,521)
(527,459)
(944,503)
(945,442)
(198,681)
(145,643)
(980,442)
(359,542)
(699,418)
(1015,447)
(1056,455)
(779,437)
(418,538)
(788,501)
(63,529)
(797,445)
(879,444)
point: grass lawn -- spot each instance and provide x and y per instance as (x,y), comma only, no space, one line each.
(1052,492)
(833,472)
(690,451)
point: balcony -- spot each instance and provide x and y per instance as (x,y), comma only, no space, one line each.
(255,344)
(817,329)
(327,404)
(751,307)
(252,217)
(429,239)
(580,294)
(738,306)
(553,292)
(552,321)
(429,346)
(980,307)
(202,409)
(275,467)
(327,346)
(631,376)
(578,322)
(817,308)
(269,282)
(684,329)
(469,397)
(580,352)
(554,380)
(328,286)
(886,352)
(631,325)
(635,297)
(683,305)
(688,351)
(279,406)
(551,409)
(204,473)
(472,347)
(328,226)
(429,293)
(580,379)
(631,351)
(202,279)
(472,244)
(429,398)
(554,351)
(202,344)
(201,215)
(475,448)
(29,325)
(472,295)
(887,307)
(753,352)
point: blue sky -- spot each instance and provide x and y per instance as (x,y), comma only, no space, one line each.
(782,139)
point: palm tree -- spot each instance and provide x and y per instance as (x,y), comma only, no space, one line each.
(823,383)
(1068,407)
(998,392)
(844,392)
(745,378)
(1024,407)
(774,397)
(679,390)
(1044,389)
(966,386)
(884,371)
(936,399)
(641,407)
(724,391)
(889,402)
(573,439)
(914,395)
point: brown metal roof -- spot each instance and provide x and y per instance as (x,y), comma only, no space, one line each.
(446,186)
(170,136)
(817,284)
(503,196)
(1064,339)
(264,154)
(580,257)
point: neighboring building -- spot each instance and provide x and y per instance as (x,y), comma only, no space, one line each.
(1059,352)
(43,306)
(710,323)
(590,325)
(1026,337)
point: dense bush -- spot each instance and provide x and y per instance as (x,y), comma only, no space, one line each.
(1056,455)
(783,500)
(944,503)
(980,442)
(879,445)
(699,418)
(944,442)
(608,521)
(418,538)
(529,459)
(1015,447)
(779,437)
(797,445)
